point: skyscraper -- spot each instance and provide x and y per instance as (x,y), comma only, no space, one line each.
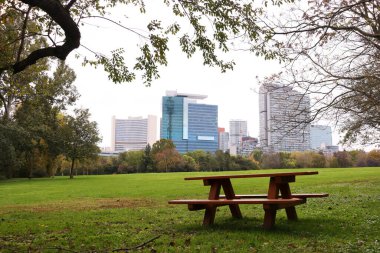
(133,133)
(238,130)
(284,117)
(320,136)
(189,125)
(223,139)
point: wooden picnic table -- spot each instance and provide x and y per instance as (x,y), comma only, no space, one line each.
(279,196)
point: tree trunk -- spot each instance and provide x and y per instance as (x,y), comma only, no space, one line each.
(49,166)
(30,159)
(72,168)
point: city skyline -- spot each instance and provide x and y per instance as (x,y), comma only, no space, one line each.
(192,125)
(236,96)
(235,92)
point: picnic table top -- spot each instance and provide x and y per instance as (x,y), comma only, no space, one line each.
(280,174)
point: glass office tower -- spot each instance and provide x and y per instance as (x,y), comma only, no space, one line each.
(189,125)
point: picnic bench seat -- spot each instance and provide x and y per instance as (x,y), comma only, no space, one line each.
(294,195)
(198,204)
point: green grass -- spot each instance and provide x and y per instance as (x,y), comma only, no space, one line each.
(102,213)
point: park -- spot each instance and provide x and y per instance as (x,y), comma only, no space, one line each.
(130,212)
(60,194)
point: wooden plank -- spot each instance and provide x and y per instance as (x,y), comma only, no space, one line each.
(294,195)
(283,174)
(236,201)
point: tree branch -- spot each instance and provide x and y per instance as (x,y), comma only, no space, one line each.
(118,24)
(62,17)
(138,246)
(23,34)
(70,4)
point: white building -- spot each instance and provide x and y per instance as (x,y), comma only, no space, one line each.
(320,136)
(133,133)
(238,130)
(284,116)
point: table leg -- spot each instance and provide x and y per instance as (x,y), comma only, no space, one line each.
(214,193)
(273,189)
(270,210)
(269,217)
(230,194)
(291,212)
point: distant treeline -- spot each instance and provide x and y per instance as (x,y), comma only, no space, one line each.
(163,157)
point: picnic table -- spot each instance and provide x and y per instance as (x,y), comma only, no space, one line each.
(278,197)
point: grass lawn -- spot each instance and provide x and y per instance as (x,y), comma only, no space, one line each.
(105,213)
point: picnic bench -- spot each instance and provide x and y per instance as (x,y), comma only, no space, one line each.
(278,197)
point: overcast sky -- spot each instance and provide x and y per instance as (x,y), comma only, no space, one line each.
(235,92)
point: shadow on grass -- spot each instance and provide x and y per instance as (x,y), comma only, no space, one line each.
(305,227)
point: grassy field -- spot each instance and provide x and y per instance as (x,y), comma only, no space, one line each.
(106,213)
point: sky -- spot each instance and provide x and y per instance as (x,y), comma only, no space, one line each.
(235,92)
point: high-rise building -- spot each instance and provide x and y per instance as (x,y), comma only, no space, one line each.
(320,136)
(189,125)
(133,133)
(223,139)
(284,117)
(248,144)
(238,130)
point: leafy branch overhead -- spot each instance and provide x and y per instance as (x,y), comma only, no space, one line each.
(211,25)
(334,52)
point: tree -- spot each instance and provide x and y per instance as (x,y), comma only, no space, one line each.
(39,111)
(131,160)
(244,163)
(333,49)
(204,160)
(13,139)
(257,155)
(206,26)
(373,158)
(147,160)
(35,82)
(318,160)
(271,161)
(287,161)
(220,158)
(189,163)
(343,159)
(168,160)
(165,155)
(80,137)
